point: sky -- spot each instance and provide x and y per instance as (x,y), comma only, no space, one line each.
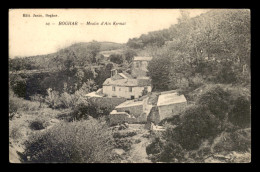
(29,36)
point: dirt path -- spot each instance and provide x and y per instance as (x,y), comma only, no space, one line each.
(137,154)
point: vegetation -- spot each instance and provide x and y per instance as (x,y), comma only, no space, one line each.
(69,142)
(214,46)
(206,121)
(206,58)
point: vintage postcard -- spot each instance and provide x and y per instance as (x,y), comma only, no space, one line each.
(129,86)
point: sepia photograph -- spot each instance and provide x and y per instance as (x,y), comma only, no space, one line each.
(106,85)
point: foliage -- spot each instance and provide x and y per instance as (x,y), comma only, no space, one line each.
(207,45)
(216,99)
(124,134)
(18,85)
(52,99)
(103,74)
(240,115)
(129,54)
(240,141)
(158,71)
(38,124)
(15,132)
(76,142)
(198,123)
(123,143)
(116,58)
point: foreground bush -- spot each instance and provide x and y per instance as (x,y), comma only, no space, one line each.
(76,142)
(39,123)
(240,115)
(216,100)
(198,123)
(239,140)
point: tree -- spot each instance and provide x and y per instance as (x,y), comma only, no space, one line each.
(129,54)
(94,48)
(116,58)
(159,72)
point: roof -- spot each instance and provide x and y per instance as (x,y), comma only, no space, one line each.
(93,94)
(127,75)
(172,98)
(128,82)
(139,58)
(130,103)
(114,112)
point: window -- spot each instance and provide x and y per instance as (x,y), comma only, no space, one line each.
(113,88)
(130,89)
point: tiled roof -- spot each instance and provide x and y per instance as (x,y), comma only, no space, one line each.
(139,58)
(172,98)
(128,82)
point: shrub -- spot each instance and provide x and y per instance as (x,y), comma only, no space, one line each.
(216,99)
(75,142)
(156,146)
(239,140)
(116,58)
(240,115)
(197,123)
(123,143)
(124,134)
(38,124)
(18,85)
(15,132)
(172,152)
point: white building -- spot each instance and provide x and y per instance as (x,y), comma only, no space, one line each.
(127,88)
(130,86)
(170,103)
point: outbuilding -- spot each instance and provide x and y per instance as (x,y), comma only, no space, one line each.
(170,104)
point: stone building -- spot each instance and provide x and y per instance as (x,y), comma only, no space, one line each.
(170,104)
(123,85)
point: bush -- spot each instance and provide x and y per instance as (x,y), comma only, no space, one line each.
(239,140)
(116,58)
(76,142)
(38,124)
(197,123)
(240,115)
(216,99)
(15,132)
(123,143)
(124,134)
(172,152)
(156,146)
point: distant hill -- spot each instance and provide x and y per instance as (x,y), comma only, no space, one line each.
(104,46)
(81,50)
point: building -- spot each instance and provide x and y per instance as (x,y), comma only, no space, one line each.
(170,103)
(131,111)
(120,117)
(139,66)
(123,85)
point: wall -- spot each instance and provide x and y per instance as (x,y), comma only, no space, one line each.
(120,118)
(135,110)
(124,91)
(171,110)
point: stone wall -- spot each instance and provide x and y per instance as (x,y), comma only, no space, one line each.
(171,110)
(120,118)
(136,111)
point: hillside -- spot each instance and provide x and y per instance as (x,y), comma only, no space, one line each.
(84,51)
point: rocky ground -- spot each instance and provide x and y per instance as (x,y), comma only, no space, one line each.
(137,152)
